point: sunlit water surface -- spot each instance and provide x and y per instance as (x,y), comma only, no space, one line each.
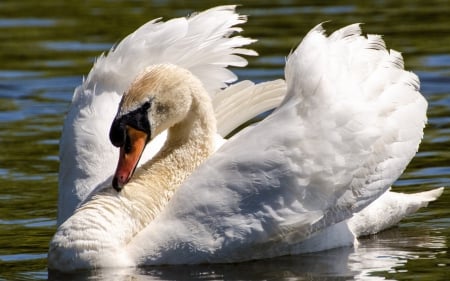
(47,46)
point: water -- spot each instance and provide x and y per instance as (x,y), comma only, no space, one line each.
(47,46)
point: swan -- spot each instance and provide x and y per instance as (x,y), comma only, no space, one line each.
(311,176)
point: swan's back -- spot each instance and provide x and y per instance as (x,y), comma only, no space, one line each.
(352,120)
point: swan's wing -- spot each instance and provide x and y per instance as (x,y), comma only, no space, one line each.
(203,43)
(350,123)
(243,101)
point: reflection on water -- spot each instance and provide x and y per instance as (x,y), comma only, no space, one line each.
(391,252)
(48,45)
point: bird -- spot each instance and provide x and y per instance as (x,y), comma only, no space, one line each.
(314,174)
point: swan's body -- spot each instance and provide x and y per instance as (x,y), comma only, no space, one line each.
(311,176)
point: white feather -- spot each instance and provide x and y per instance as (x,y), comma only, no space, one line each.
(204,43)
(316,168)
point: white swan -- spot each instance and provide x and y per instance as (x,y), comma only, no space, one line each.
(300,181)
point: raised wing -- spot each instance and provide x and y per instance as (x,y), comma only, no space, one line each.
(243,101)
(351,122)
(203,43)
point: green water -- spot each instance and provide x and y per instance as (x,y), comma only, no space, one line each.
(47,46)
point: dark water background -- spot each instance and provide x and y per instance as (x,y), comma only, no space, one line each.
(47,46)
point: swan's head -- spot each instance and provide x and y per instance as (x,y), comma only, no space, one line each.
(158,99)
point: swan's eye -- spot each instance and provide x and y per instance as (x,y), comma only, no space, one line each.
(161,108)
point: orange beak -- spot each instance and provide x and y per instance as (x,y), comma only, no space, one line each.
(130,153)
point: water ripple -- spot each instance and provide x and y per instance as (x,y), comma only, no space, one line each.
(26,22)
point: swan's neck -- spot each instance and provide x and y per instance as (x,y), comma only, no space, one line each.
(188,143)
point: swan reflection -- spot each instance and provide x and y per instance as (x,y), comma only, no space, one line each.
(375,257)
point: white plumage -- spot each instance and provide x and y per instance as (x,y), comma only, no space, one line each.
(88,159)
(350,122)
